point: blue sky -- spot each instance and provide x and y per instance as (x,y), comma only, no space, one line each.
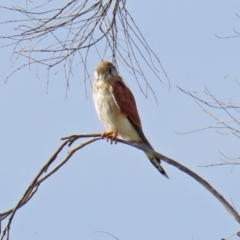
(115,188)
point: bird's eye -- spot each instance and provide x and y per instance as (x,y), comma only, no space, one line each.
(113,71)
(96,74)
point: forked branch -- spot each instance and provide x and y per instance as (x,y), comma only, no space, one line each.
(44,174)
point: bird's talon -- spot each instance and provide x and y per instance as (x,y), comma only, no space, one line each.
(112,136)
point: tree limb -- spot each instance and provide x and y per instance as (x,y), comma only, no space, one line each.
(42,175)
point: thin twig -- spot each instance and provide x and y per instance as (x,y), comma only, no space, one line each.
(107,234)
(219,164)
(51,37)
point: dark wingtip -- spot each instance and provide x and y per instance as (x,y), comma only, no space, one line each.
(155,161)
(162,171)
(157,165)
(165,175)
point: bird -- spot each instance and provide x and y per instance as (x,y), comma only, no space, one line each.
(117,110)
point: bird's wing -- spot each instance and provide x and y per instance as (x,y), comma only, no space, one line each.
(125,100)
(126,103)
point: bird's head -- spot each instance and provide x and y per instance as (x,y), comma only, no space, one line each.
(105,71)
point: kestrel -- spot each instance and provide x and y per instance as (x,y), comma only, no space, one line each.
(117,110)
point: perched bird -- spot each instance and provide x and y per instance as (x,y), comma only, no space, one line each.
(117,110)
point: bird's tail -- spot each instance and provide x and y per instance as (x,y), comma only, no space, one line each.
(156,163)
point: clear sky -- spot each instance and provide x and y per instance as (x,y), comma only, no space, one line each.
(115,188)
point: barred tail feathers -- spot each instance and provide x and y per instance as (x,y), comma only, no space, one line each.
(156,163)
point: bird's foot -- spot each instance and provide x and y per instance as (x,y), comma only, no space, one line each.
(112,136)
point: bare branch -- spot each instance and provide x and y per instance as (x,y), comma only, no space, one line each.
(220,164)
(42,175)
(39,179)
(107,234)
(232,123)
(50,38)
(229,126)
(233,235)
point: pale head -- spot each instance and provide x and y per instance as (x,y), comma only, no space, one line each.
(104,71)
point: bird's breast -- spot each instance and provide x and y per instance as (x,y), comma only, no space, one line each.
(106,108)
(111,115)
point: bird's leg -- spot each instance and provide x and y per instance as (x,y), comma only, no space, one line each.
(110,135)
(113,138)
